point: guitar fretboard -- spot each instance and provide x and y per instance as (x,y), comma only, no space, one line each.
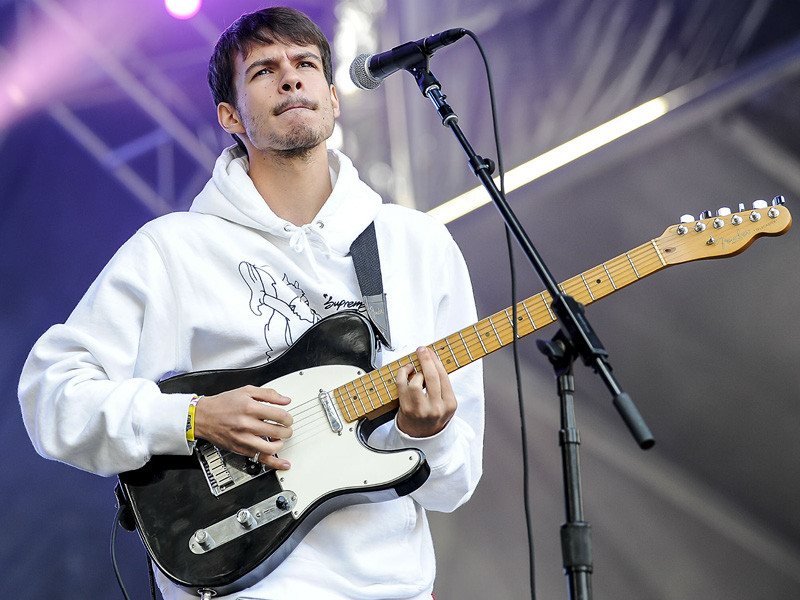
(376,392)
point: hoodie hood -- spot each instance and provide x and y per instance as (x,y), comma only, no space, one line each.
(230,194)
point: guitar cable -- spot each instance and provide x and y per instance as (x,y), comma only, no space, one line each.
(118,522)
(514,345)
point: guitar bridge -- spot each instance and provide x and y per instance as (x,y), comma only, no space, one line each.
(225,470)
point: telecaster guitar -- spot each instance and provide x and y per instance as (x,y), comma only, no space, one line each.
(218,521)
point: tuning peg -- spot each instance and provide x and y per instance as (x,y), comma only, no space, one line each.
(759,204)
(706,214)
(687,219)
(723,211)
(778,201)
(741,207)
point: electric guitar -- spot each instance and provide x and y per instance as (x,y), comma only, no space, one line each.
(219,521)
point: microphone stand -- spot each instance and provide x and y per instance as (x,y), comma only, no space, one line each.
(575,338)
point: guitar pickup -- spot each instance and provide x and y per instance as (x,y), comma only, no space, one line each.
(334,421)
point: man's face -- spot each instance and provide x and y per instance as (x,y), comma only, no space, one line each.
(285,105)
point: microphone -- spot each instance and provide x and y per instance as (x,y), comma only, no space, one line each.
(368,71)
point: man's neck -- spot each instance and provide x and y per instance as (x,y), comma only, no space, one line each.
(294,188)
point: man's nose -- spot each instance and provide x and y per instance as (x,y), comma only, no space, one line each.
(291,81)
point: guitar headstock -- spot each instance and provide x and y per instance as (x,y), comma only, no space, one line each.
(727,234)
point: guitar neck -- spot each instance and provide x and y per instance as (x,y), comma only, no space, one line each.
(376,393)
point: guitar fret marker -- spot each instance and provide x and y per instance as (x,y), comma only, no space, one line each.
(440,352)
(355,397)
(452,354)
(367,390)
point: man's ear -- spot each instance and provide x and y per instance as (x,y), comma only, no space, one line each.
(228,118)
(335,102)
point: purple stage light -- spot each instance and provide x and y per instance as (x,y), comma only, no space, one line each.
(183,9)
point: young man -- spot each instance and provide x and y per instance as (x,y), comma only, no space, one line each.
(261,256)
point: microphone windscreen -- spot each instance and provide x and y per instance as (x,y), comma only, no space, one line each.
(359,74)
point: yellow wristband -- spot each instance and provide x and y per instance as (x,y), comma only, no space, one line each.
(190,419)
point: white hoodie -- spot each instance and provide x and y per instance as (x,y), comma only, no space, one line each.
(231,285)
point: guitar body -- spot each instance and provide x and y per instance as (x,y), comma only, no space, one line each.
(173,497)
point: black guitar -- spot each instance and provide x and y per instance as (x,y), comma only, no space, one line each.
(217,520)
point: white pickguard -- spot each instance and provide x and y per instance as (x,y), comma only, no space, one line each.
(322,460)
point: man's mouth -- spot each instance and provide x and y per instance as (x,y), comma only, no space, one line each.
(293,105)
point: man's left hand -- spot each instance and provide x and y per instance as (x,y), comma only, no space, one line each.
(427,401)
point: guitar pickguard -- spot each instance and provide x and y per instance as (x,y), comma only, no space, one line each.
(324,460)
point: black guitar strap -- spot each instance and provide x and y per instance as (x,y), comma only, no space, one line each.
(367,262)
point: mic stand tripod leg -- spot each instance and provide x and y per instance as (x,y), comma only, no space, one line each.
(576,542)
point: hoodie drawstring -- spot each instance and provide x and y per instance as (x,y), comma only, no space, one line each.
(308,237)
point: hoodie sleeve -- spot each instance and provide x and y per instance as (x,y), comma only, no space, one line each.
(455,453)
(87,394)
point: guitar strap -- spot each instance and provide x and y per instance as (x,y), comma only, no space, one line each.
(367,262)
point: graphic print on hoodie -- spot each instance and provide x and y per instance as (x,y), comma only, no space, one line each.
(282,314)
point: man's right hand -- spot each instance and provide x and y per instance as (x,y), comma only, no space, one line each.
(247,420)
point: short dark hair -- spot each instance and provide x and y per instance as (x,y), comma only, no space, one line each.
(278,24)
